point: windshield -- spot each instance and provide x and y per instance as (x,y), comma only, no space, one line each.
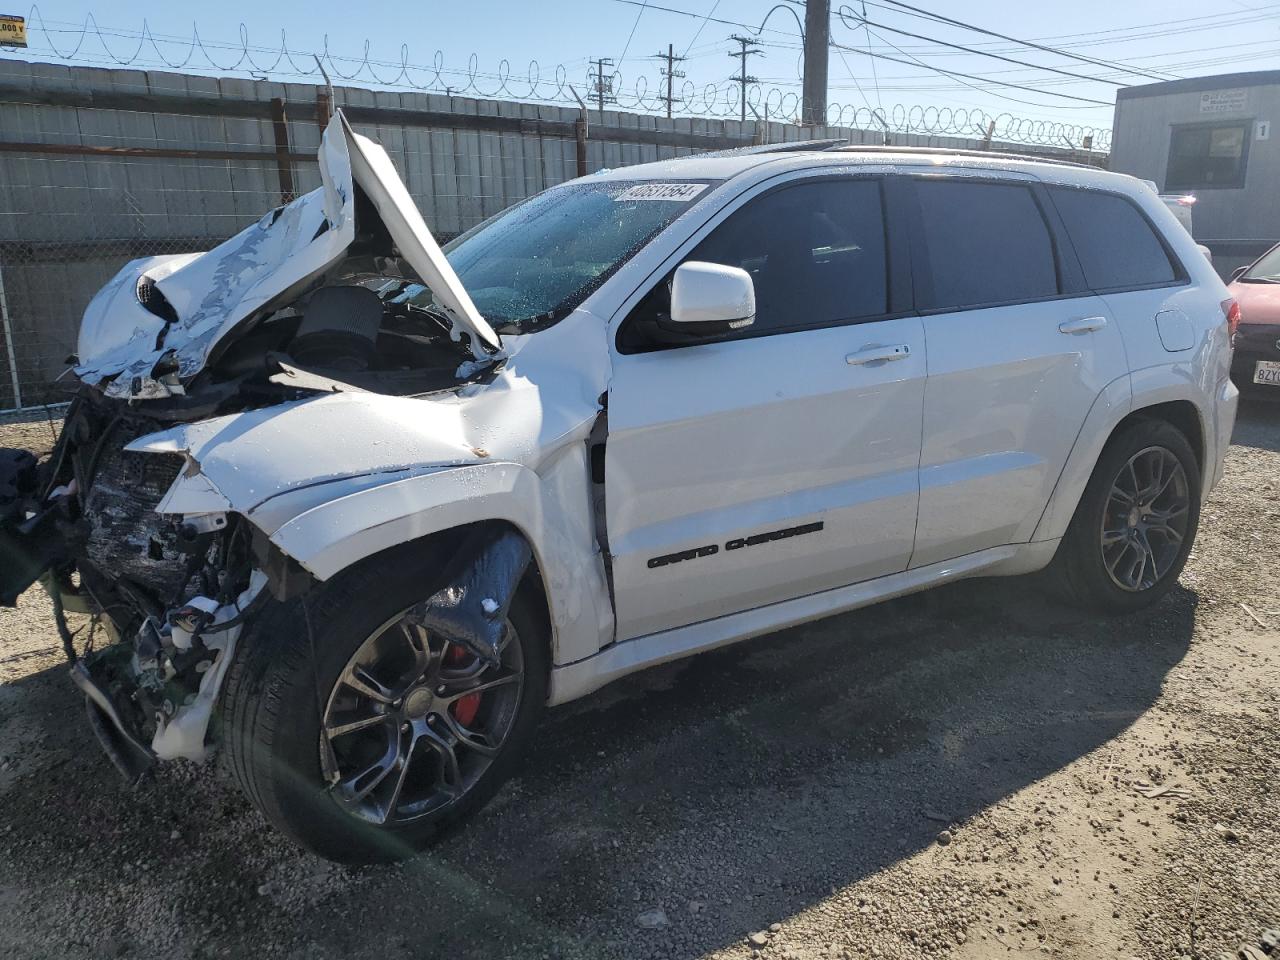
(534,263)
(1267,269)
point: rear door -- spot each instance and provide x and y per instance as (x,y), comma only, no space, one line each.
(1018,352)
(779,461)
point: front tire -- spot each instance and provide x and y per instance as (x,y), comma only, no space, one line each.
(363,737)
(1136,522)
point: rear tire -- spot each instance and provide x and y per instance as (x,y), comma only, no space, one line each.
(278,700)
(1135,524)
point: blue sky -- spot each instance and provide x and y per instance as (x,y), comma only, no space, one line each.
(1170,37)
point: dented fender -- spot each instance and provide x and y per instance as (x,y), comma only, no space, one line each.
(336,524)
(335,478)
(548,510)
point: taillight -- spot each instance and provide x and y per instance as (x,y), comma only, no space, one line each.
(1231,310)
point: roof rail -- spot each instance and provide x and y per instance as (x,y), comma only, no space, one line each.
(955,152)
(792,146)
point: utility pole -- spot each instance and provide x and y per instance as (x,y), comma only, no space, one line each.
(603,85)
(671,73)
(817,41)
(746,45)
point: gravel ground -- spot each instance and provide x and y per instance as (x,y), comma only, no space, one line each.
(962,773)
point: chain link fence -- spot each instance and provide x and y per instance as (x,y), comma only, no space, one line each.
(99,167)
(68,224)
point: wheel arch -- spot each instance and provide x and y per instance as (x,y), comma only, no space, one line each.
(432,552)
(1183,415)
(433,511)
(1123,402)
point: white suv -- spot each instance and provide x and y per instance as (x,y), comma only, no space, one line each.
(357,509)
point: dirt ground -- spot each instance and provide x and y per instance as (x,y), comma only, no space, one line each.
(960,773)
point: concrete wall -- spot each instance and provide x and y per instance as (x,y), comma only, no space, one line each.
(1237,223)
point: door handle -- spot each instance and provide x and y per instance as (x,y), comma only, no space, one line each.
(1082,325)
(874,354)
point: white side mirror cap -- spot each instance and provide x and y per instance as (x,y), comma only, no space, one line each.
(712,296)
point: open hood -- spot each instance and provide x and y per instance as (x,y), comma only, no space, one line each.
(156,324)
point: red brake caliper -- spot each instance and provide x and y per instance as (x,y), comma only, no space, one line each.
(464,708)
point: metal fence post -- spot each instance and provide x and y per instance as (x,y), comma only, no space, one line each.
(284,168)
(8,342)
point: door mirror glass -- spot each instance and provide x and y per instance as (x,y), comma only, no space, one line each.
(710,298)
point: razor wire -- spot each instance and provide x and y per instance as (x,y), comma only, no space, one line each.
(89,42)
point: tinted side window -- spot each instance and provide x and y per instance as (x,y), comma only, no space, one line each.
(816,252)
(984,243)
(1115,244)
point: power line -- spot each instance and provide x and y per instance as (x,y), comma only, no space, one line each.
(627,46)
(919,11)
(873,110)
(1229,19)
(899,85)
(875,74)
(708,18)
(1102,37)
(982,53)
(883,56)
(969,76)
(698,32)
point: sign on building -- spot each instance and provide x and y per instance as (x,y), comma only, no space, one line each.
(13,31)
(1224,101)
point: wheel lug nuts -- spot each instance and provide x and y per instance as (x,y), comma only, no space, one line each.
(404,728)
(439,691)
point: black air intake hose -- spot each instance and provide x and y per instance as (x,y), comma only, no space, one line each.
(339,329)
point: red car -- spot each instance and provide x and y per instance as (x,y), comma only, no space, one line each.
(1257,340)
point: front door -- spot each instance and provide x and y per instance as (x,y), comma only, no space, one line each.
(782,460)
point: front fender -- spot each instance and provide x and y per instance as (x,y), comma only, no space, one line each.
(550,508)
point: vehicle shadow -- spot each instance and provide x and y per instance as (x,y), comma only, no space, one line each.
(730,791)
(1255,421)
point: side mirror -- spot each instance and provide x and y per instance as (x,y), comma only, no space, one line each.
(1237,273)
(709,298)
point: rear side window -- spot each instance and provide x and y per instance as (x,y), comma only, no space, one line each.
(985,243)
(1116,245)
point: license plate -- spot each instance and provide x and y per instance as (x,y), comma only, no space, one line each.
(1267,371)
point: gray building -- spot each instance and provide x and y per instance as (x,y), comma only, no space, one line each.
(1211,137)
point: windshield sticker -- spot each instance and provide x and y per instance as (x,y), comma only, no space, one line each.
(680,192)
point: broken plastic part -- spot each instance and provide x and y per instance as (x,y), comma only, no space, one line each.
(183,734)
(130,757)
(187,620)
(479,585)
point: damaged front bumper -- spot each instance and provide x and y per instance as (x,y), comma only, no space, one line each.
(123,525)
(167,596)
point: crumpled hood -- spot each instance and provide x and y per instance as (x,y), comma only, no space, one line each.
(211,295)
(546,393)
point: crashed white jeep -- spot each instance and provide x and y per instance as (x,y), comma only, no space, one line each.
(354,509)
